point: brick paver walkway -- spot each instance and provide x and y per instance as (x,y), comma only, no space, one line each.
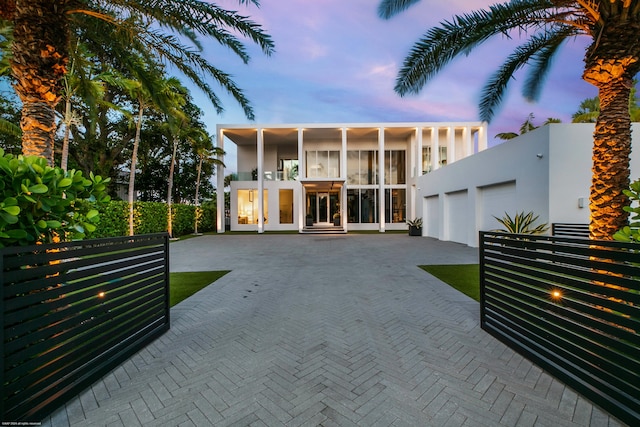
(326,330)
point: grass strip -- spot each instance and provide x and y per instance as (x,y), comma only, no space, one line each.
(463,277)
(183,285)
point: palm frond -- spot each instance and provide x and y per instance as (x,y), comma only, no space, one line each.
(541,61)
(462,34)
(9,128)
(495,89)
(389,8)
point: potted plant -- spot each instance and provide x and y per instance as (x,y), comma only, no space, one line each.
(336,219)
(415,227)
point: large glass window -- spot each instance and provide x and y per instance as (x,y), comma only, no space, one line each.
(287,169)
(442,157)
(248,206)
(362,205)
(426,159)
(368,205)
(395,205)
(286,206)
(323,164)
(362,167)
(353,206)
(394,167)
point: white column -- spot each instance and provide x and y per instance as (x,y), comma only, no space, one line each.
(419,151)
(303,195)
(482,137)
(220,217)
(381,175)
(343,175)
(435,148)
(260,142)
(468,141)
(451,145)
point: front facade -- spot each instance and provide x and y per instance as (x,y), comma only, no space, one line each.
(336,176)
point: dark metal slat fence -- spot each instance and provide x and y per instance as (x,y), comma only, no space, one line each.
(73,311)
(571,305)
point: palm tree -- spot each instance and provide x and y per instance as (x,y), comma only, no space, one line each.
(43,30)
(527,126)
(211,156)
(610,63)
(79,81)
(163,98)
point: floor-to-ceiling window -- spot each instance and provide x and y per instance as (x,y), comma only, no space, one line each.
(362,190)
(362,205)
(248,206)
(395,167)
(286,206)
(395,192)
(395,200)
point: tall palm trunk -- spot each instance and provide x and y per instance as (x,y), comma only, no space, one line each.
(40,55)
(134,160)
(199,171)
(170,186)
(610,64)
(68,120)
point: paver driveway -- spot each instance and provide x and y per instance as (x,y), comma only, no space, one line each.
(326,330)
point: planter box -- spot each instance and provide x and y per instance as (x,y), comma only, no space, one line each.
(415,231)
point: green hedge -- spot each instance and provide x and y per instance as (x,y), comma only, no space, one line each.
(113,220)
(151,217)
(183,219)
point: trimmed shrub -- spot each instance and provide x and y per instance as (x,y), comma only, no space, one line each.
(39,203)
(183,220)
(149,217)
(207,219)
(631,233)
(114,219)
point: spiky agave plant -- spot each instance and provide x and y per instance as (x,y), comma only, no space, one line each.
(521,223)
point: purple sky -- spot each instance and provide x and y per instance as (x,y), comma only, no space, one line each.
(336,61)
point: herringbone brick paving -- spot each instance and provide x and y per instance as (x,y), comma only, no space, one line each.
(326,331)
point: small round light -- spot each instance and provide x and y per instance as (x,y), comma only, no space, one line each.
(556,294)
(101,295)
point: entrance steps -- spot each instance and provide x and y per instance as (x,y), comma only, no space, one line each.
(323,229)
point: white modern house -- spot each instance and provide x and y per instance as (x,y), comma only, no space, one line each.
(546,171)
(341,177)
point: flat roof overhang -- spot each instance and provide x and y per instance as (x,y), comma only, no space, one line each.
(329,184)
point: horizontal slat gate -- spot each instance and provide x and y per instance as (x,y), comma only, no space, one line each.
(71,312)
(572,305)
(570,230)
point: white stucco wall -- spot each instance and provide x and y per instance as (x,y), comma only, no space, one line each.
(516,162)
(545,171)
(570,170)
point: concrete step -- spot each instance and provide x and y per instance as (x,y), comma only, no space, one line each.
(321,229)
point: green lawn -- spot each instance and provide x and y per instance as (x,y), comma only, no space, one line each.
(463,277)
(183,285)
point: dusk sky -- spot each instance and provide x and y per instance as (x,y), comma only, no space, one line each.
(336,61)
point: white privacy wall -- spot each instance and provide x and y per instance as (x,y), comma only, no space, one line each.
(546,171)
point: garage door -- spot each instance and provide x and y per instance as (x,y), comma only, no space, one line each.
(431,220)
(495,200)
(457,217)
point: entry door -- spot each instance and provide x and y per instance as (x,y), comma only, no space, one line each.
(322,205)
